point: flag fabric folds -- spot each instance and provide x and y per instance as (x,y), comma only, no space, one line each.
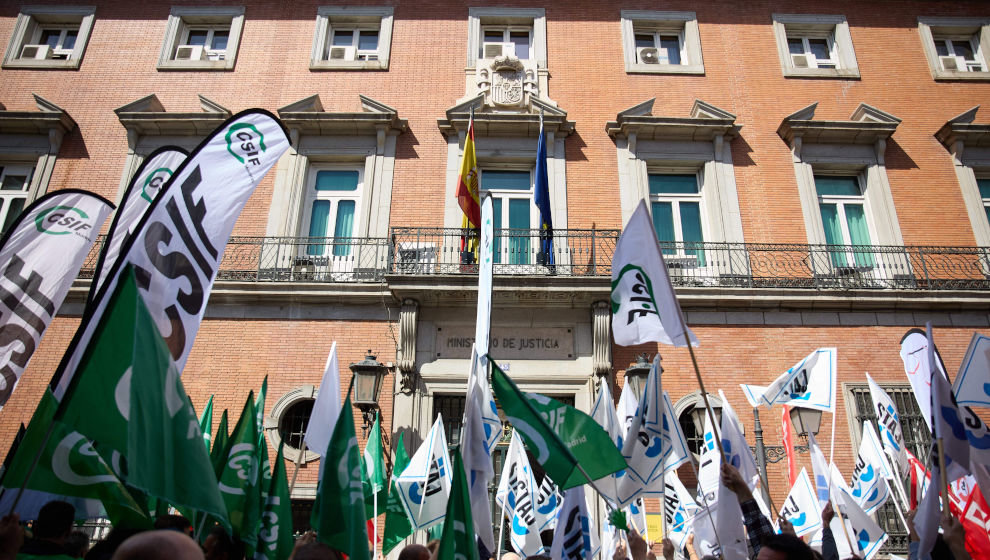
(397,525)
(206,422)
(516,495)
(374,456)
(808,384)
(468,192)
(735,447)
(548,504)
(801,506)
(424,484)
(275,540)
(326,407)
(972,385)
(867,537)
(915,355)
(219,443)
(239,480)
(476,453)
(821,471)
(891,433)
(457,540)
(869,483)
(679,509)
(791,456)
(644,307)
(574,436)
(541,197)
(574,538)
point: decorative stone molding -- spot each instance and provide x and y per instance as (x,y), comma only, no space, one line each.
(300,393)
(408,316)
(601,328)
(969,144)
(867,125)
(26,30)
(507,82)
(35,138)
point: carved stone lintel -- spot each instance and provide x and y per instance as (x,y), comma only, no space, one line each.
(408,315)
(601,327)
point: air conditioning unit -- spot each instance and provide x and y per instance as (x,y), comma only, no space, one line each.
(38,52)
(800,60)
(495,50)
(342,53)
(416,258)
(190,52)
(367,56)
(648,55)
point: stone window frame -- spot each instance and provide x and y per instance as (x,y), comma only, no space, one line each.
(328,16)
(27,24)
(954,27)
(684,24)
(272,421)
(815,25)
(180,18)
(479,17)
(967,142)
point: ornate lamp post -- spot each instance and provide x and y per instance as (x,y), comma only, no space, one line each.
(637,374)
(368,376)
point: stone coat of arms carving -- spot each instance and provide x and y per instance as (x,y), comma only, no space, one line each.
(507,81)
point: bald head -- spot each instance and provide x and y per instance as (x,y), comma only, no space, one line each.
(415,552)
(510,556)
(159,545)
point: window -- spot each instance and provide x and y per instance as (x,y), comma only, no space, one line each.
(815,46)
(841,202)
(512,209)
(956,48)
(965,140)
(352,38)
(661,42)
(287,422)
(984,186)
(49,37)
(15,182)
(495,32)
(292,424)
(675,202)
(201,38)
(332,200)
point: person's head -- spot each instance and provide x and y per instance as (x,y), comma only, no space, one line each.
(417,552)
(219,546)
(784,547)
(174,523)
(54,521)
(160,544)
(77,544)
(317,551)
(510,556)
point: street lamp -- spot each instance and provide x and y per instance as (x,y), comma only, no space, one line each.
(368,376)
(637,374)
(805,421)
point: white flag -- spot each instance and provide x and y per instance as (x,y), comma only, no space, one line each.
(644,307)
(605,414)
(482,330)
(41,255)
(710,466)
(914,354)
(972,385)
(548,504)
(425,484)
(821,470)
(867,537)
(889,421)
(964,436)
(517,495)
(326,407)
(142,190)
(178,245)
(636,513)
(679,509)
(575,533)
(869,482)
(808,384)
(643,447)
(735,446)
(477,459)
(801,506)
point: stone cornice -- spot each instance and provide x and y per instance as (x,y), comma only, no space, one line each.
(308,117)
(867,126)
(962,129)
(48,119)
(705,123)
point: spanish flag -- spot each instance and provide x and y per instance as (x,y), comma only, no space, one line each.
(467,183)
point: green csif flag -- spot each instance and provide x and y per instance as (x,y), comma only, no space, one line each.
(561,437)
(275,539)
(339,514)
(128,399)
(373,469)
(397,525)
(239,480)
(206,423)
(458,539)
(219,443)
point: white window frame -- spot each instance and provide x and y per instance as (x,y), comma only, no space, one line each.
(512,194)
(814,62)
(532,19)
(507,31)
(332,19)
(974,45)
(841,201)
(59,51)
(834,28)
(8,196)
(977,30)
(986,200)
(182,20)
(312,196)
(682,24)
(27,31)
(676,199)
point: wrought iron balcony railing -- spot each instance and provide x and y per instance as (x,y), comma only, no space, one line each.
(588,253)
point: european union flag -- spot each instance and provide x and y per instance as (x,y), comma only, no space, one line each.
(542,199)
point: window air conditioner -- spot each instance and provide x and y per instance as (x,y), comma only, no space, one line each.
(800,61)
(648,55)
(495,50)
(342,53)
(954,63)
(190,52)
(38,52)
(416,258)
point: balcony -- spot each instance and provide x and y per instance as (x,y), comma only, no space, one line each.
(587,253)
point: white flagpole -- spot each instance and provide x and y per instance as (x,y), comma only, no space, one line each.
(831,495)
(501,533)
(374,538)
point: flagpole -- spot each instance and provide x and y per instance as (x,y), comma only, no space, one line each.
(942,475)
(501,533)
(704,498)
(701,385)
(299,458)
(831,495)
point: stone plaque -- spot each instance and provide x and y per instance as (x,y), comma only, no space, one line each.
(508,343)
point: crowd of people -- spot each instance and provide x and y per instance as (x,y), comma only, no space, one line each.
(52,536)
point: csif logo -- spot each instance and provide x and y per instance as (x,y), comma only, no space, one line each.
(245,142)
(62,220)
(153,184)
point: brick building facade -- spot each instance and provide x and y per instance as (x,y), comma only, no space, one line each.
(820,171)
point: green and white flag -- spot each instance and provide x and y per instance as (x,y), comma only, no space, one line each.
(339,515)
(206,422)
(644,307)
(397,525)
(374,457)
(424,485)
(457,541)
(275,540)
(560,436)
(129,401)
(219,443)
(239,481)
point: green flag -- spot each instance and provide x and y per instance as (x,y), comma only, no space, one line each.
(397,525)
(239,481)
(206,422)
(458,539)
(374,457)
(219,443)
(339,517)
(559,436)
(275,540)
(68,466)
(128,399)
(259,408)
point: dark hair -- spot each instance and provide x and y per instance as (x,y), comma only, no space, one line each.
(224,545)
(173,523)
(414,552)
(77,544)
(54,520)
(792,547)
(317,551)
